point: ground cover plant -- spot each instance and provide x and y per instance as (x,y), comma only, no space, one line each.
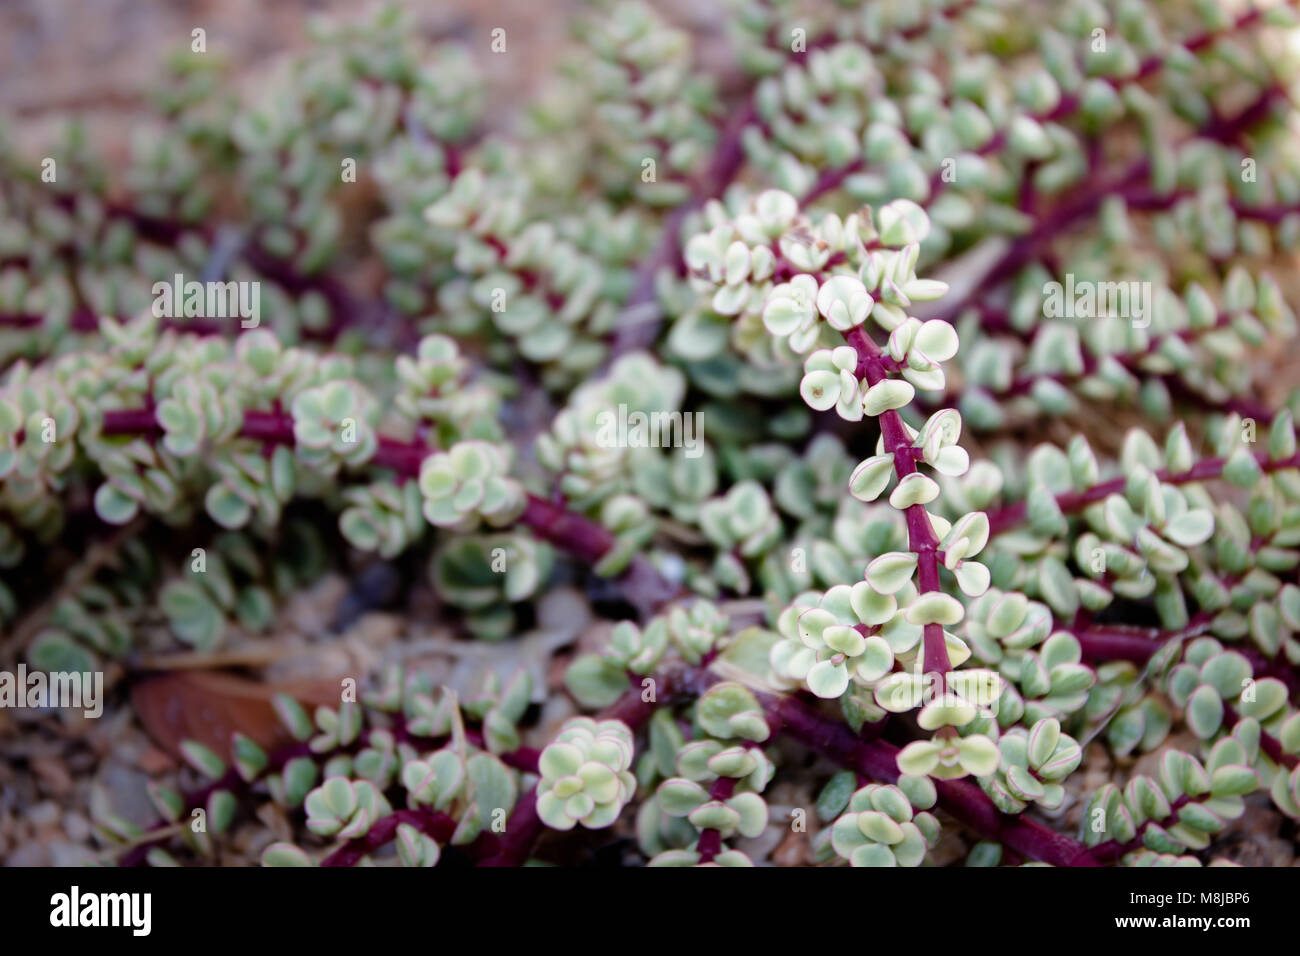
(876,451)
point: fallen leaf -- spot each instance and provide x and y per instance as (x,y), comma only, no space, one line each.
(209,706)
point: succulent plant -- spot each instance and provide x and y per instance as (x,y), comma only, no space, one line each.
(343,808)
(909,398)
(881,828)
(584,774)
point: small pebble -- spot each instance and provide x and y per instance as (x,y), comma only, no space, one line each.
(70,854)
(53,775)
(154,761)
(43,814)
(29,853)
(77,827)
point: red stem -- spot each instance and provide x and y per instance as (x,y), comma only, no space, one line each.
(634,708)
(1067,106)
(574,533)
(921,538)
(993,319)
(1207,469)
(1129,187)
(710,842)
(1138,646)
(433,823)
(637,330)
(962,799)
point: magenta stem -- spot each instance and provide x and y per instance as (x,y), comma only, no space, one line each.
(1066,107)
(433,823)
(921,538)
(580,536)
(633,708)
(1129,187)
(710,842)
(962,799)
(1207,469)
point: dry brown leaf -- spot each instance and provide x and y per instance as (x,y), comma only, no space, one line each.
(208,707)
